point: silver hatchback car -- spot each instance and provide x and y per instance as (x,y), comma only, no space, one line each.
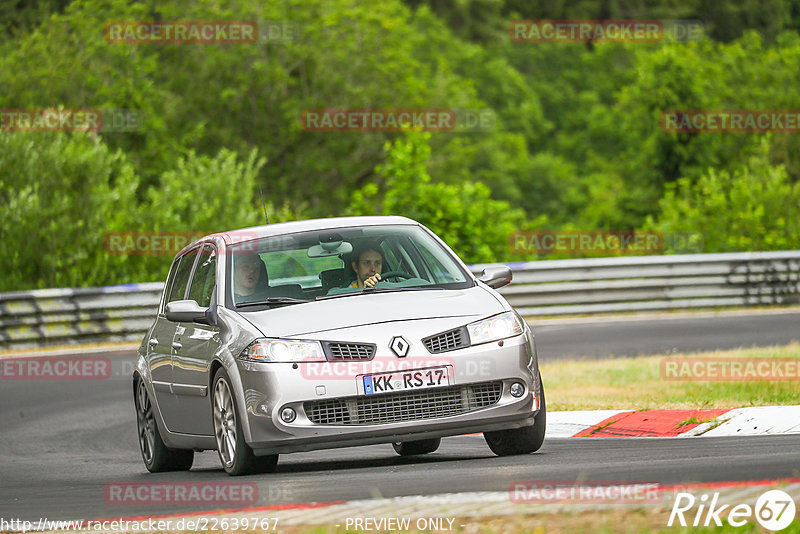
(331,333)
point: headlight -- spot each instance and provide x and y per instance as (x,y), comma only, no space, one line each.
(498,327)
(283,350)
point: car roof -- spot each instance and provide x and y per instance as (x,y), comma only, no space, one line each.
(277,229)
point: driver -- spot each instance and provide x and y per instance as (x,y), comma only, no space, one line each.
(367,264)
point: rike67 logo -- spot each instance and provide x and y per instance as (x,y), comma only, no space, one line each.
(774,510)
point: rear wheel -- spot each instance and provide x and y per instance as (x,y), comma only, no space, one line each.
(523,440)
(236,456)
(422,446)
(156,455)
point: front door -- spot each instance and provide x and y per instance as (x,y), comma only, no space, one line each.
(196,345)
(162,341)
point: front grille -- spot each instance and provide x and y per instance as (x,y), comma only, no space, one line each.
(450,340)
(404,406)
(349,351)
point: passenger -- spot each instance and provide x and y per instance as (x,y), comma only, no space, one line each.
(250,279)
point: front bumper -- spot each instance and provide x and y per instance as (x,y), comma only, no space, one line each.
(270,387)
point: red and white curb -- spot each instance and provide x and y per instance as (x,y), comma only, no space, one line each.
(753,421)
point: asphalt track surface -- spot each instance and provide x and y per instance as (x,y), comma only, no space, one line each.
(685,333)
(63,442)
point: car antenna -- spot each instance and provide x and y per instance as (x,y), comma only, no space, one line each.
(262,203)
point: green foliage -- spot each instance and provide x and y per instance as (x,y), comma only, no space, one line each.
(751,208)
(576,144)
(18,16)
(203,195)
(206,194)
(741,75)
(464,215)
(63,195)
(724,20)
(59,195)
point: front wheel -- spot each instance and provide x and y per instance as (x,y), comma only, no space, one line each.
(156,455)
(411,448)
(236,456)
(523,440)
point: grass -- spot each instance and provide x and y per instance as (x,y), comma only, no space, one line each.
(636,384)
(696,421)
(690,421)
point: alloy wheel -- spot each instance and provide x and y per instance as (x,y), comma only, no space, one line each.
(224,422)
(144,417)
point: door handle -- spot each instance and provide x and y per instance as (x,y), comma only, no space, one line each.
(176,345)
(153,342)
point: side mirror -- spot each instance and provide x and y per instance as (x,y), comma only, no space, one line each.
(496,276)
(186,311)
(211,316)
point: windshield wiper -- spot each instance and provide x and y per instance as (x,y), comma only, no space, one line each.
(390,289)
(272,300)
(367,290)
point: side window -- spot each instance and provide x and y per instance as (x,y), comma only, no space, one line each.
(391,258)
(434,260)
(295,267)
(178,289)
(396,252)
(205,277)
(170,281)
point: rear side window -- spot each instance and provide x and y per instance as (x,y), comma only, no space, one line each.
(205,277)
(295,267)
(178,289)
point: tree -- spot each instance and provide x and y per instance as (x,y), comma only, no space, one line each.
(751,208)
(60,195)
(464,215)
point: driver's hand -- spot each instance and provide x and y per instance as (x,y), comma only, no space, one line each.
(372,280)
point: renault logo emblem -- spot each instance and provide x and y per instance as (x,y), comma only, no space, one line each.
(399,346)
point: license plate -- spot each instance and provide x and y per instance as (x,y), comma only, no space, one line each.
(405,380)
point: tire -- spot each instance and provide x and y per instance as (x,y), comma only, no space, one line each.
(523,440)
(410,448)
(236,456)
(156,455)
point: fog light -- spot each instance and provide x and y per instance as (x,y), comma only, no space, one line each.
(288,415)
(517,389)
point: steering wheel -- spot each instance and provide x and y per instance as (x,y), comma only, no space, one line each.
(395,274)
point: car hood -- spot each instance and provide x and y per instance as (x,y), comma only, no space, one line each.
(297,320)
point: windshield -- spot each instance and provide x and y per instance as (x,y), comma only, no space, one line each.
(294,268)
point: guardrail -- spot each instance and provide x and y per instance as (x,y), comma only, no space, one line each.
(657,283)
(550,288)
(84,315)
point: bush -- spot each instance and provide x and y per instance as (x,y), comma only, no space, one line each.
(752,208)
(464,215)
(59,195)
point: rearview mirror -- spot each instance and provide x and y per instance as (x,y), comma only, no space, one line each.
(334,248)
(496,276)
(186,311)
